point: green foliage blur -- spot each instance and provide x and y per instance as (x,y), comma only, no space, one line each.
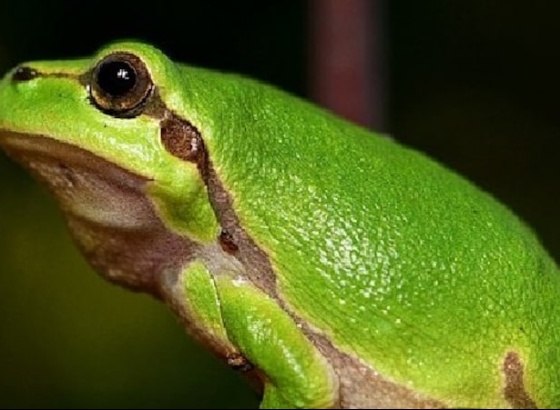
(474,84)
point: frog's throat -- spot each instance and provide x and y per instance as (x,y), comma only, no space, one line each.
(108,212)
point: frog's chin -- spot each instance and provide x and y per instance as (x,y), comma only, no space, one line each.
(107,209)
(87,186)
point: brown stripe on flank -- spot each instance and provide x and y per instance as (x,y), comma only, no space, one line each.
(514,391)
(183,140)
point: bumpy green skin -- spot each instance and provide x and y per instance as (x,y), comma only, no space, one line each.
(439,280)
(397,260)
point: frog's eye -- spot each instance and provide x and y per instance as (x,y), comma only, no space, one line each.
(120,85)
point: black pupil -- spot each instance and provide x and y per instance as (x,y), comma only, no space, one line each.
(116,78)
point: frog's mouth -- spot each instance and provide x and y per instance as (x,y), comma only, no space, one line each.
(108,212)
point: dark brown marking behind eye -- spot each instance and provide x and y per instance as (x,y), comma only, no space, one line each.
(24,73)
(180,139)
(514,391)
(227,243)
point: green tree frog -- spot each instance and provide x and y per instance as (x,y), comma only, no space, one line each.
(331,265)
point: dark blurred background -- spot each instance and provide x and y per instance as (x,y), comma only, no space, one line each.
(473,83)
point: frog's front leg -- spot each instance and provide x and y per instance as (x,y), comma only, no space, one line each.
(296,374)
(235,317)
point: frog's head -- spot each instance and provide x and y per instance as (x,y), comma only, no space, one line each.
(103,135)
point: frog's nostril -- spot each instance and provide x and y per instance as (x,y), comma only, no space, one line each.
(24,73)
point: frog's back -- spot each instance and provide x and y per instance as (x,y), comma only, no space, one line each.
(400,261)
